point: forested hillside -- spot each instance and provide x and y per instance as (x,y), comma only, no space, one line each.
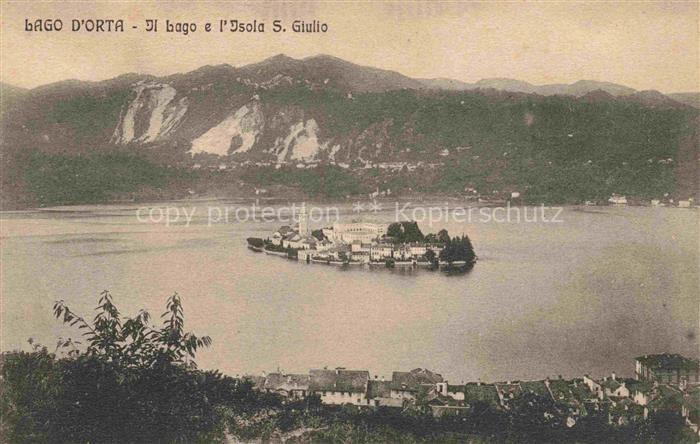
(325,114)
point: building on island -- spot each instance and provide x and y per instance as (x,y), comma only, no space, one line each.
(280,234)
(303,227)
(365,232)
(354,243)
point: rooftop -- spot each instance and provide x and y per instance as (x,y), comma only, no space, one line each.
(379,389)
(285,229)
(413,379)
(339,380)
(275,381)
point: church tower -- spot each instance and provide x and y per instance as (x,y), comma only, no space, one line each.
(303,221)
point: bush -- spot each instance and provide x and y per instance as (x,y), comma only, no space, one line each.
(133,382)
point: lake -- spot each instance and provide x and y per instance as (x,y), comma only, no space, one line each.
(585,295)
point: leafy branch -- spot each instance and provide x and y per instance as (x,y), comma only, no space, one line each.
(135,342)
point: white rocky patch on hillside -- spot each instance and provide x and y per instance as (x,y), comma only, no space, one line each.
(173,116)
(247,123)
(154,105)
(334,151)
(301,143)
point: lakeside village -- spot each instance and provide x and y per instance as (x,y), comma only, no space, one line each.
(471,194)
(399,244)
(663,383)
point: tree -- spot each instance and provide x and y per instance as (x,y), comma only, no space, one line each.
(133,342)
(131,382)
(255,242)
(405,232)
(443,237)
(30,382)
(430,256)
(536,418)
(667,426)
(459,249)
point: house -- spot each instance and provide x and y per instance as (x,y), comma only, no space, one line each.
(406,385)
(616,199)
(667,368)
(323,245)
(684,203)
(621,391)
(279,236)
(257,380)
(593,386)
(276,238)
(402,252)
(614,388)
(507,392)
(417,250)
(640,391)
(379,394)
(308,242)
(340,386)
(358,246)
(328,232)
(292,240)
(289,386)
(381,251)
(305,254)
(338,252)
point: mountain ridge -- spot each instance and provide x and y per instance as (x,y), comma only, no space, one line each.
(396,80)
(284,112)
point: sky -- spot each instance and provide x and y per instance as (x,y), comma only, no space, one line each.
(644,45)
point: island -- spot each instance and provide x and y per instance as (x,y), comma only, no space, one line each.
(398,244)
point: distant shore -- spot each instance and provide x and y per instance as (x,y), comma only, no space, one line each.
(427,199)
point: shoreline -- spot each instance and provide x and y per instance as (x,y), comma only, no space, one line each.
(433,200)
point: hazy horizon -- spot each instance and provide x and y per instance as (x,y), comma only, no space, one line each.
(540,43)
(318,55)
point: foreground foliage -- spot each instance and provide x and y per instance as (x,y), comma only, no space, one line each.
(132,381)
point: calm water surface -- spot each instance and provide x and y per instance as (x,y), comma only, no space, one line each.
(582,296)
